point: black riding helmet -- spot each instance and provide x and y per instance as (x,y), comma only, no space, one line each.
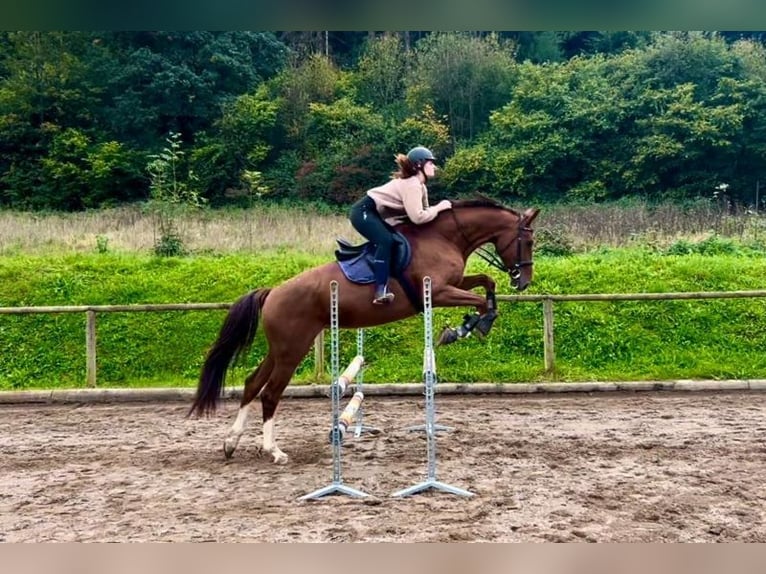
(419,156)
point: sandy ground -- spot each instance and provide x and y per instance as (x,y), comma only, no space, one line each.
(596,468)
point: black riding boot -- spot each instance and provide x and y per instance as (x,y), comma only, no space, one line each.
(382,294)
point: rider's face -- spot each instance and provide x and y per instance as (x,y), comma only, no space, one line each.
(429,168)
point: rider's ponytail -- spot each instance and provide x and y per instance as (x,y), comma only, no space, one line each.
(407,168)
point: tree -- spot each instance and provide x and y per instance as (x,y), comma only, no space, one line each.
(552,139)
(47,88)
(314,80)
(345,149)
(241,141)
(380,75)
(536,47)
(463,77)
(173,192)
(178,81)
(684,146)
(686,57)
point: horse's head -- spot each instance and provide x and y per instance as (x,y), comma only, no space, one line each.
(483,220)
(513,246)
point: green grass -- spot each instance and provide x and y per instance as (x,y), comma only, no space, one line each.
(625,340)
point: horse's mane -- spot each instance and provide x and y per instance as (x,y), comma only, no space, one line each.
(482,201)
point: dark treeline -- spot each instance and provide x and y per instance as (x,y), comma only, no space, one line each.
(318,116)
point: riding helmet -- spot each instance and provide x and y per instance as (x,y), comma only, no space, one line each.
(419,155)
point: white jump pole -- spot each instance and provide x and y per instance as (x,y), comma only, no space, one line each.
(347,416)
(354,406)
(352,371)
(429,375)
(336,392)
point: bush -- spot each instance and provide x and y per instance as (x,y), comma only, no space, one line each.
(169,244)
(172,194)
(553,242)
(713,245)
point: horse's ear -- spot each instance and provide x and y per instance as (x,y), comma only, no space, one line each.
(530,214)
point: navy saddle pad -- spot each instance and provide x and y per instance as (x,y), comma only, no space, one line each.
(356,261)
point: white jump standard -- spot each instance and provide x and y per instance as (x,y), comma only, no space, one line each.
(360,426)
(429,374)
(336,392)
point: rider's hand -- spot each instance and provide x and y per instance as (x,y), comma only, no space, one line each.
(444,204)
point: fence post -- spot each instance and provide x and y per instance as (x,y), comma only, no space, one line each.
(319,356)
(90,347)
(548,348)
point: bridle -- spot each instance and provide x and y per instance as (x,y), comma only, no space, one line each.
(496,260)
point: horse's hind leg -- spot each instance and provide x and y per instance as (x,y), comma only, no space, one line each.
(280,378)
(253,385)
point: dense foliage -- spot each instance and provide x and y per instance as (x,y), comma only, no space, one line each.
(318,116)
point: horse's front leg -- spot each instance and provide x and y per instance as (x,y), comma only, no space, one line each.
(472,281)
(487,315)
(452,296)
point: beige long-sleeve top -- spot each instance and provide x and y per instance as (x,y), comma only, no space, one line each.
(400,199)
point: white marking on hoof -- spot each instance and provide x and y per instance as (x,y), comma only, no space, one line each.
(229,446)
(279,456)
(270,445)
(232,439)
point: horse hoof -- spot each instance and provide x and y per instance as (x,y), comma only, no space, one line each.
(280,458)
(228,450)
(485,324)
(448,335)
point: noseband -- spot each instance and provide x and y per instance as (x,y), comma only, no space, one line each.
(515,270)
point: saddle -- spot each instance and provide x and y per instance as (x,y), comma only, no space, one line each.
(356,262)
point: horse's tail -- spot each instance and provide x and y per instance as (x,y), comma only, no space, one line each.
(234,341)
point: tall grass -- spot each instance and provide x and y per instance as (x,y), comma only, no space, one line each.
(131,229)
(268,228)
(631,223)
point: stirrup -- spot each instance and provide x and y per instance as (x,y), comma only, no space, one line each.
(384,297)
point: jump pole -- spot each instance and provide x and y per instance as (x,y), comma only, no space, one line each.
(429,375)
(337,387)
(354,406)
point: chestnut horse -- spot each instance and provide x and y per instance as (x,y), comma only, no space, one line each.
(294,312)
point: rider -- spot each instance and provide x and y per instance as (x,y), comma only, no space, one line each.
(403,197)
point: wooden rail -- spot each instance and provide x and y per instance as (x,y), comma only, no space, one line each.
(90,321)
(91,312)
(548,300)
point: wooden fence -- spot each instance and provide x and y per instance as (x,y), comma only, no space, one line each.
(90,325)
(548,300)
(91,312)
